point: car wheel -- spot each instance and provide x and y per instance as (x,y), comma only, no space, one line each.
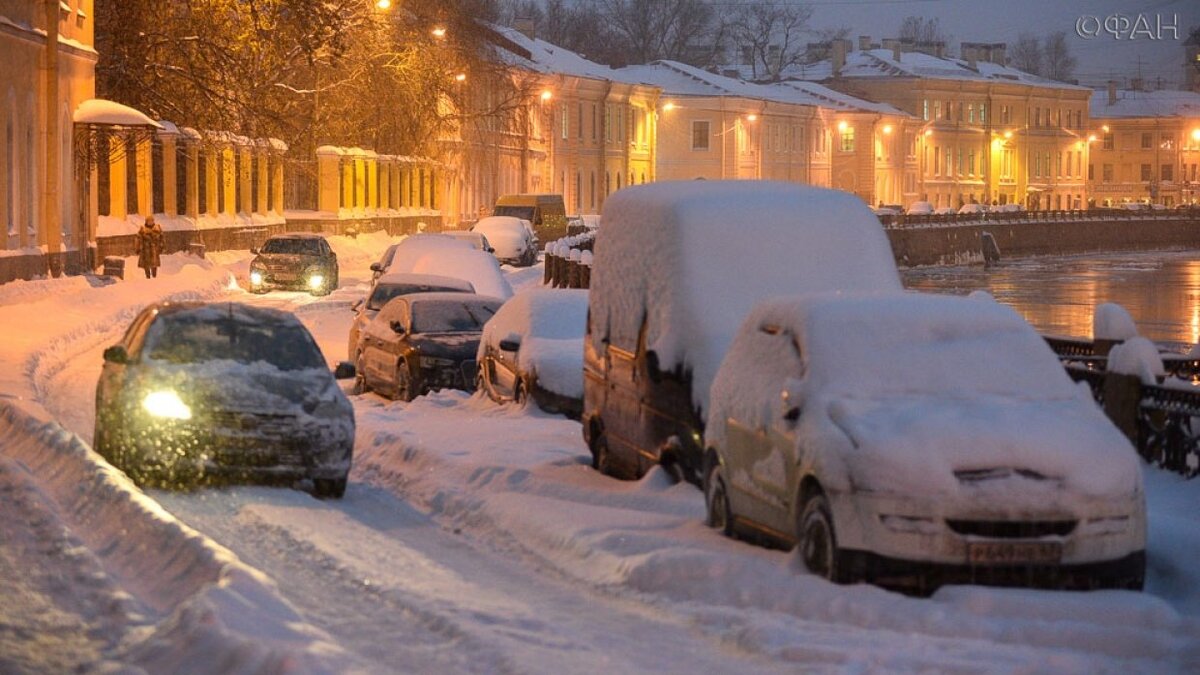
(329,488)
(404,390)
(818,542)
(360,376)
(520,393)
(720,516)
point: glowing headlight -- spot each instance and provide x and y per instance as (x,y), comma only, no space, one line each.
(166,404)
(256,278)
(315,281)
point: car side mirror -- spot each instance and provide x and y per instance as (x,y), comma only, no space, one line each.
(398,327)
(376,267)
(253,250)
(792,400)
(511,343)
(344,371)
(116,354)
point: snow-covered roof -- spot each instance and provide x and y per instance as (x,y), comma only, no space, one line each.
(540,56)
(102,111)
(880,63)
(680,79)
(1130,103)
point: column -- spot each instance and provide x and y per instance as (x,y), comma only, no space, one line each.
(170,190)
(329,179)
(145,185)
(116,178)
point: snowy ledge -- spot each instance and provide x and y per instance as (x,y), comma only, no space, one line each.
(215,614)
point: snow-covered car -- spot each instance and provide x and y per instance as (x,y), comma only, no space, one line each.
(423,342)
(475,239)
(196,392)
(903,438)
(972,209)
(888,210)
(1008,208)
(481,269)
(512,238)
(413,247)
(677,265)
(920,209)
(298,261)
(944,211)
(533,350)
(392,285)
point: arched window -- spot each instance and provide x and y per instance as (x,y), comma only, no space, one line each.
(607,183)
(592,191)
(618,180)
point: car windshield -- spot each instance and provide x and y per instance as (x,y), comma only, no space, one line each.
(187,339)
(293,246)
(446,316)
(384,292)
(522,212)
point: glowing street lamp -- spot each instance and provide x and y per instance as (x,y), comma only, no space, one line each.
(841,126)
(668,106)
(887,128)
(461,77)
(438,32)
(546,95)
(383,4)
(751,117)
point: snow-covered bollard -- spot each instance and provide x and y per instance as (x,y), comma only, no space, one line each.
(548,265)
(573,266)
(1111,325)
(585,269)
(1137,356)
(1131,365)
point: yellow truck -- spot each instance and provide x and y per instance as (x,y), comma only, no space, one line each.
(546,212)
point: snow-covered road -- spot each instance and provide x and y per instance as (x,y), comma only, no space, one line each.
(475,538)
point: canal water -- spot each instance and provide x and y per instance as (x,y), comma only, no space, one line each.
(1058,295)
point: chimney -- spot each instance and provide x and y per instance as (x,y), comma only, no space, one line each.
(864,43)
(839,57)
(939,49)
(525,26)
(894,45)
(1112,92)
(970,54)
(997,53)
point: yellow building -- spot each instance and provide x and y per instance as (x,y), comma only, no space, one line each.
(49,70)
(1146,147)
(989,133)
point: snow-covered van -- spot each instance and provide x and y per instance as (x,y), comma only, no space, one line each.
(677,266)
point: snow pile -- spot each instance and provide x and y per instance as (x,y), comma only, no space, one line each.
(212,613)
(693,257)
(550,324)
(476,267)
(1137,356)
(1111,322)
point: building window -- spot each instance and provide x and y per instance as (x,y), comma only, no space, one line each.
(971,163)
(971,113)
(925,109)
(30,190)
(700,136)
(1109,143)
(1167,172)
(565,121)
(937,110)
(10,184)
(1147,140)
(1166,142)
(608,120)
(593,121)
(1091,172)
(847,139)
(1146,172)
(592,191)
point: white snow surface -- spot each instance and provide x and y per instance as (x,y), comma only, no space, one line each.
(550,323)
(473,538)
(692,257)
(476,267)
(1111,321)
(506,234)
(103,111)
(1137,356)
(411,248)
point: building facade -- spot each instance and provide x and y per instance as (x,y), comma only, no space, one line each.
(1146,147)
(49,63)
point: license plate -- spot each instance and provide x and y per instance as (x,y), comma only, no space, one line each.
(285,276)
(1013,552)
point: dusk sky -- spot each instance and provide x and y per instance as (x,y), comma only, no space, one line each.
(1100,57)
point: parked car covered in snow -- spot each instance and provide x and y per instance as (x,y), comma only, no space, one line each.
(414,247)
(196,392)
(920,209)
(391,285)
(297,261)
(972,209)
(423,342)
(677,266)
(533,350)
(512,239)
(944,211)
(915,440)
(480,269)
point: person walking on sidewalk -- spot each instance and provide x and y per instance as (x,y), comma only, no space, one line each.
(149,246)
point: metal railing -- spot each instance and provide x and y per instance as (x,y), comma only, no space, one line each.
(927,220)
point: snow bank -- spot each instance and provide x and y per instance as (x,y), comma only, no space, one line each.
(550,324)
(693,257)
(215,615)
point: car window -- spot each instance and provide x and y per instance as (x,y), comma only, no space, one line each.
(189,339)
(384,292)
(525,212)
(137,333)
(445,316)
(293,246)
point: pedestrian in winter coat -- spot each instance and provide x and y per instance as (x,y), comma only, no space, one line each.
(149,246)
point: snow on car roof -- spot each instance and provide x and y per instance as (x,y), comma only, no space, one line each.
(413,247)
(297,235)
(498,222)
(477,267)
(399,278)
(700,253)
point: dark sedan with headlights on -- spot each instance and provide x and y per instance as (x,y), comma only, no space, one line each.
(298,261)
(211,392)
(423,342)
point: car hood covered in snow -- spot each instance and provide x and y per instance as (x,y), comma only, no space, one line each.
(935,445)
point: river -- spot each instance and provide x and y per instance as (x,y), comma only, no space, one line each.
(1161,290)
